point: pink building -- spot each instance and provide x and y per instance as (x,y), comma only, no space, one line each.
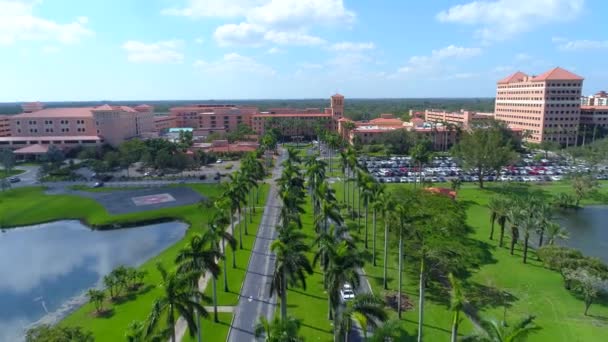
(164,122)
(212,118)
(300,122)
(75,126)
(463,118)
(598,99)
(546,106)
(5,126)
(594,116)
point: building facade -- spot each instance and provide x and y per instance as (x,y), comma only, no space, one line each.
(75,126)
(592,116)
(599,99)
(546,107)
(463,118)
(5,126)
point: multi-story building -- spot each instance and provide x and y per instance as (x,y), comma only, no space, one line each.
(599,99)
(463,118)
(592,116)
(5,126)
(163,123)
(546,107)
(67,127)
(213,118)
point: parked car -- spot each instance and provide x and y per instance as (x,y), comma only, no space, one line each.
(98,185)
(347,293)
(14,179)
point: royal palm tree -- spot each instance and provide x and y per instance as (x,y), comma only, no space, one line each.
(367,197)
(377,191)
(555,232)
(218,234)
(176,299)
(198,257)
(457,302)
(514,216)
(494,206)
(527,224)
(291,265)
(545,216)
(344,260)
(235,195)
(501,210)
(326,242)
(493,331)
(279,330)
(367,310)
(386,205)
(328,213)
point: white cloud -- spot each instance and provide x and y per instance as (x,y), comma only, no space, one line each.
(583,44)
(17,22)
(234,63)
(350,46)
(522,57)
(212,8)
(433,63)
(239,34)
(274,50)
(158,52)
(502,19)
(292,38)
(301,13)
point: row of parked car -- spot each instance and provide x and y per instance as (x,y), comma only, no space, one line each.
(445,168)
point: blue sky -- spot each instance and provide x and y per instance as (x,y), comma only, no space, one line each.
(246,49)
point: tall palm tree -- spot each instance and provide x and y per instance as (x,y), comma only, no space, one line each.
(501,210)
(528,223)
(344,169)
(279,330)
(555,232)
(493,331)
(367,196)
(326,241)
(367,310)
(291,265)
(234,194)
(176,298)
(457,302)
(329,212)
(344,260)
(514,215)
(377,191)
(386,204)
(545,216)
(198,257)
(494,206)
(218,234)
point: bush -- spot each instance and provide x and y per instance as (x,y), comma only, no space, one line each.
(228,167)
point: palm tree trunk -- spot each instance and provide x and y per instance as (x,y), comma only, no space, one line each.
(526,248)
(400,273)
(284,296)
(455,326)
(385,283)
(359,208)
(492,231)
(513,241)
(245,218)
(330,315)
(240,231)
(214,283)
(374,237)
(366,215)
(225,267)
(172,324)
(541,237)
(502,234)
(421,299)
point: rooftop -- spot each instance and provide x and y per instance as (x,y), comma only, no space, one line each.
(52,138)
(33,149)
(558,74)
(314,115)
(78,112)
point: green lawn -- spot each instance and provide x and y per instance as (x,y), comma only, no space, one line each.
(212,331)
(532,288)
(14,172)
(30,205)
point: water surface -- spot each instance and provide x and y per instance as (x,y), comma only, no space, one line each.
(45,269)
(588,228)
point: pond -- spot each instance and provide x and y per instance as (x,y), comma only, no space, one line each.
(45,269)
(588,228)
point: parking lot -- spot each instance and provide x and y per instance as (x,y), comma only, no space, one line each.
(444,169)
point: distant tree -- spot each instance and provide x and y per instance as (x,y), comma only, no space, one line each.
(185,140)
(484,150)
(7,159)
(455,184)
(112,159)
(588,285)
(97,297)
(583,185)
(54,156)
(135,332)
(48,333)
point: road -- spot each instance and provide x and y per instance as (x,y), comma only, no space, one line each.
(255,300)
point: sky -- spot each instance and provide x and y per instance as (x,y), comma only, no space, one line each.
(59,50)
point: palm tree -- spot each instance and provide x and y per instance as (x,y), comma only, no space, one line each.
(329,212)
(386,204)
(527,224)
(389,331)
(291,263)
(514,215)
(457,302)
(555,232)
(501,210)
(367,310)
(97,297)
(344,260)
(176,298)
(493,331)
(377,191)
(279,330)
(198,257)
(224,216)
(545,215)
(236,195)
(494,206)
(135,332)
(420,155)
(344,169)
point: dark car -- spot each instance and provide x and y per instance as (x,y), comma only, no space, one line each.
(14,179)
(98,185)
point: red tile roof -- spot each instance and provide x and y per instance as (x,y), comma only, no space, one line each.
(558,74)
(516,77)
(314,115)
(442,191)
(594,107)
(33,149)
(52,138)
(80,112)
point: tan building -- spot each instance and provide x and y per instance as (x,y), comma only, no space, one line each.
(598,99)
(164,122)
(594,116)
(5,126)
(546,107)
(463,118)
(212,118)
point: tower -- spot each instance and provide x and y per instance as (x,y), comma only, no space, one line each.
(337,106)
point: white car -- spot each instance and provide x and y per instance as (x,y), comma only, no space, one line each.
(347,293)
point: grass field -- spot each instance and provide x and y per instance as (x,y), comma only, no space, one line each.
(30,205)
(531,288)
(14,172)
